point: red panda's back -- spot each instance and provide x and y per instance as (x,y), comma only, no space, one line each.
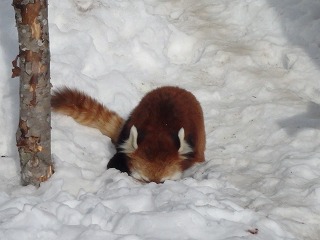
(166,110)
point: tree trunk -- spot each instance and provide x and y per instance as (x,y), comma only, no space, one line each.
(33,134)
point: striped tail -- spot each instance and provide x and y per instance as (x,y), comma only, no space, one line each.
(87,111)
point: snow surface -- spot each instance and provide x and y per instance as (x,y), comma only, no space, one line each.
(255,68)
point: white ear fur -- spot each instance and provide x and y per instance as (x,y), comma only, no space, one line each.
(184,146)
(130,145)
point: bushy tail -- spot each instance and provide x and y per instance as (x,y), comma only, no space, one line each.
(87,111)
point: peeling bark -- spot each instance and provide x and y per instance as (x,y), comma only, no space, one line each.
(33,134)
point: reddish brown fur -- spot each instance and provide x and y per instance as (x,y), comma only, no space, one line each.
(159,117)
(87,111)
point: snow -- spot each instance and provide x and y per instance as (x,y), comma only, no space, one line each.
(255,68)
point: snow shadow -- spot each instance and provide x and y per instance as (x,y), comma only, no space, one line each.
(310,119)
(9,36)
(9,50)
(300,21)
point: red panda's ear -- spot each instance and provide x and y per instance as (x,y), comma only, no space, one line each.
(184,146)
(130,145)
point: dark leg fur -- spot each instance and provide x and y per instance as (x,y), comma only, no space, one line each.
(119,161)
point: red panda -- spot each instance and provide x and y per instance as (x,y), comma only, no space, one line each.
(163,136)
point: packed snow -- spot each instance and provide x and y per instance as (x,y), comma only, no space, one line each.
(255,68)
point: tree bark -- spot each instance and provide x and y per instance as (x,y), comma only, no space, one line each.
(33,134)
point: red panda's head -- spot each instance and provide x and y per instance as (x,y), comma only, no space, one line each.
(158,157)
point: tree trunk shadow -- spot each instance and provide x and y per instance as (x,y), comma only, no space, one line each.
(308,120)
